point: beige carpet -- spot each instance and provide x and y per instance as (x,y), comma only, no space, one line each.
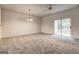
(37,44)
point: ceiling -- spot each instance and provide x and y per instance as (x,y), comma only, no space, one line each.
(38,9)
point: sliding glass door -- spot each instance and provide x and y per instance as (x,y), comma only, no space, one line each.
(62,27)
(57,27)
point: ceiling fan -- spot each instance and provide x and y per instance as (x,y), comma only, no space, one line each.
(50,7)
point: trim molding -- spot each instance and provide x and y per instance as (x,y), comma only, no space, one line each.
(26,35)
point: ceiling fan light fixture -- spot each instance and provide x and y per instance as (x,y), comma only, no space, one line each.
(29,19)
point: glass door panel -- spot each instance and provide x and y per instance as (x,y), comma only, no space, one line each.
(66,23)
(62,27)
(57,27)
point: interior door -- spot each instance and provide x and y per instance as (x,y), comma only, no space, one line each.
(0,32)
(0,23)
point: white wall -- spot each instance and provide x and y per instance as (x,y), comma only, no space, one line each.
(13,24)
(48,21)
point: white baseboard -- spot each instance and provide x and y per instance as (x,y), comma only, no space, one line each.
(18,35)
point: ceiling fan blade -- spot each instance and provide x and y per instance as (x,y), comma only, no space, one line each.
(50,8)
(47,10)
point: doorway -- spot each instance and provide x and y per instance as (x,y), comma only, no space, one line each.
(63,27)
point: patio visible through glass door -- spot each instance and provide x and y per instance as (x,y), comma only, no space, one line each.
(62,27)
